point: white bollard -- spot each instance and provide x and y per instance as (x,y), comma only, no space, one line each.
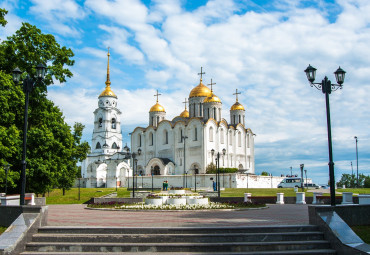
(280,198)
(247,197)
(31,200)
(364,199)
(315,201)
(347,198)
(300,198)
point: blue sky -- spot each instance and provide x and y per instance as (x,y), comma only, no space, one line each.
(258,47)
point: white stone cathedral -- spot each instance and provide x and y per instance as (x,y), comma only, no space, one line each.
(185,145)
(190,142)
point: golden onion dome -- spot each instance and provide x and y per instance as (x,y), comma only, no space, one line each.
(200,91)
(212,99)
(237,106)
(157,108)
(108,92)
(185,114)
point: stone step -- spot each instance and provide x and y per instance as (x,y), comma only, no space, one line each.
(294,252)
(184,230)
(167,238)
(178,247)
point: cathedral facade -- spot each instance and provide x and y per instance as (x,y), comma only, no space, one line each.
(185,145)
(190,142)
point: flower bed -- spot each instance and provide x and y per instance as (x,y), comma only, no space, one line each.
(176,201)
(154,201)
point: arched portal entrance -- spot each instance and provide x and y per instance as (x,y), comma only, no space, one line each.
(156,170)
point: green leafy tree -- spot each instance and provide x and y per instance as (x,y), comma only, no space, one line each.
(367,182)
(53,150)
(3,21)
(348,180)
(264,173)
(211,168)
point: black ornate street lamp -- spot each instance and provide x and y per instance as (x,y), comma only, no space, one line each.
(356,161)
(195,175)
(151,170)
(302,180)
(327,87)
(183,138)
(28,84)
(133,156)
(223,162)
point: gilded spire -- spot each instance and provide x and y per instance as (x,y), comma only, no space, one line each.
(108,91)
(107,83)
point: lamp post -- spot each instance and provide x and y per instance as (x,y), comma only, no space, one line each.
(183,139)
(358,185)
(128,181)
(133,155)
(6,178)
(79,187)
(186,179)
(327,87)
(136,160)
(291,172)
(28,84)
(305,172)
(116,183)
(218,174)
(302,166)
(223,172)
(195,175)
(151,170)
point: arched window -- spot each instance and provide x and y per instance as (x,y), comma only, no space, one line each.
(113,123)
(152,123)
(100,122)
(157,120)
(195,134)
(98,146)
(208,114)
(234,120)
(239,119)
(165,137)
(222,135)
(139,140)
(247,140)
(211,134)
(151,139)
(214,113)
(180,138)
(114,146)
(239,139)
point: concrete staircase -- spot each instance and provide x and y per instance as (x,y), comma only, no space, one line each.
(187,240)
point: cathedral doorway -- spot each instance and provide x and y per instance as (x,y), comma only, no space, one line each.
(157,170)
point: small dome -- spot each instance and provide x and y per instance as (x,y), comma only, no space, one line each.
(107,93)
(185,114)
(212,99)
(200,91)
(237,106)
(157,108)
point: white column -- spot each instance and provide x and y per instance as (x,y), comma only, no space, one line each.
(315,195)
(347,198)
(300,196)
(280,198)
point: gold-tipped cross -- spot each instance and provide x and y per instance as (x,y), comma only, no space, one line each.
(107,83)
(211,84)
(201,73)
(236,94)
(185,103)
(156,95)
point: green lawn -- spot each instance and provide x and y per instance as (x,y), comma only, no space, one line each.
(363,232)
(71,196)
(2,229)
(358,191)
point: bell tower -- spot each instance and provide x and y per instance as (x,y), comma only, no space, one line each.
(107,136)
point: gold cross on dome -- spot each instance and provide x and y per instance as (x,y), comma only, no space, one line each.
(201,73)
(211,84)
(236,94)
(185,103)
(156,95)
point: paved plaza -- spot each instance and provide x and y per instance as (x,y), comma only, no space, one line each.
(77,215)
